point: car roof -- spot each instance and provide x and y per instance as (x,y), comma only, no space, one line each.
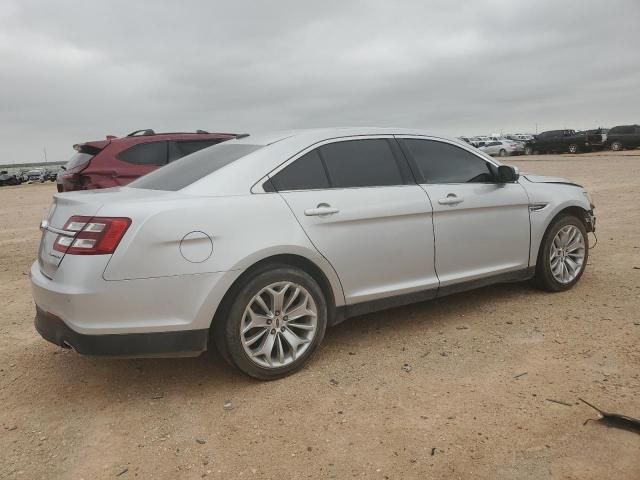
(320,134)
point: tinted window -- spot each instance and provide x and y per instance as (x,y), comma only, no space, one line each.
(622,129)
(189,169)
(440,162)
(154,153)
(179,149)
(361,163)
(305,173)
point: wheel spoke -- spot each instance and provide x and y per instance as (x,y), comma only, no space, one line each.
(301,326)
(265,349)
(256,320)
(293,340)
(260,301)
(277,297)
(292,299)
(300,311)
(280,349)
(253,339)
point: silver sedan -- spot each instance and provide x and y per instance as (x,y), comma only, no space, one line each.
(258,244)
(503,148)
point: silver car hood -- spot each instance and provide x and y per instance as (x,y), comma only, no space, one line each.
(532,177)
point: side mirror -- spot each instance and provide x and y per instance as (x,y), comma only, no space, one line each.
(507,174)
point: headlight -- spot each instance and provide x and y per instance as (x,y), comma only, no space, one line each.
(589,199)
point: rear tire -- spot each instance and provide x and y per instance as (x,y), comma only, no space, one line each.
(254,333)
(563,254)
(502,153)
(573,148)
(528,150)
(617,146)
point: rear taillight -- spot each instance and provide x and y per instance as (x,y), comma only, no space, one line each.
(95,235)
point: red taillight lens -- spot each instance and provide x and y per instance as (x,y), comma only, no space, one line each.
(95,235)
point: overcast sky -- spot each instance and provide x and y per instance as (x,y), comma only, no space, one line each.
(73,71)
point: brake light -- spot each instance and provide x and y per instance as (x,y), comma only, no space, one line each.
(95,235)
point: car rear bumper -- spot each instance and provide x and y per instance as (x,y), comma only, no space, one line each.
(180,343)
(163,316)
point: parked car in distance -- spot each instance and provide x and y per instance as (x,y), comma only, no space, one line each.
(258,244)
(519,137)
(36,175)
(503,148)
(117,161)
(563,141)
(623,136)
(7,178)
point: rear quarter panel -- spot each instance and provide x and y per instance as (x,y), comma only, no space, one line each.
(243,229)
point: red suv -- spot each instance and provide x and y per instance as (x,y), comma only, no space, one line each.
(117,161)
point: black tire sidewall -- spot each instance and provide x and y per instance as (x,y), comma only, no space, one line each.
(232,321)
(544,277)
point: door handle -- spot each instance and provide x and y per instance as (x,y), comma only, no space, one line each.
(321,210)
(451,199)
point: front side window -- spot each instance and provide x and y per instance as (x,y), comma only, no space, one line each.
(154,153)
(361,163)
(440,162)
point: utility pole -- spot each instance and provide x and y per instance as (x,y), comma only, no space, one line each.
(45,154)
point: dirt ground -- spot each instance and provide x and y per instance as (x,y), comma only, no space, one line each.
(474,403)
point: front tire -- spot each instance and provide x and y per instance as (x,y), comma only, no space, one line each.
(502,152)
(563,254)
(573,148)
(528,150)
(275,323)
(617,146)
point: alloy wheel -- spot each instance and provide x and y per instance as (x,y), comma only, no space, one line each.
(566,256)
(279,324)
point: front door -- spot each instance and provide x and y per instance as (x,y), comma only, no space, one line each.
(481,227)
(362,211)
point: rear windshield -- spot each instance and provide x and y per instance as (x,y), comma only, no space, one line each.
(185,171)
(77,160)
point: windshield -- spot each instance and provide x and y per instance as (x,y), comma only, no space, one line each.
(183,172)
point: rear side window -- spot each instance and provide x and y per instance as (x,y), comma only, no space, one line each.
(440,162)
(306,173)
(178,149)
(361,163)
(154,153)
(188,170)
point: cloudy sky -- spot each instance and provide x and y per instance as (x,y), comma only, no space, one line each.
(77,70)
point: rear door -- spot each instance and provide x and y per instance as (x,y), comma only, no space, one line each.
(481,227)
(358,203)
